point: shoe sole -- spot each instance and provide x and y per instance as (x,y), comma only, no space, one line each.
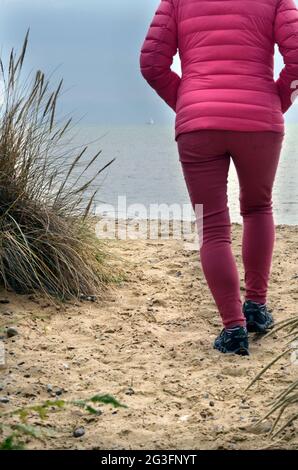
(255,327)
(241,351)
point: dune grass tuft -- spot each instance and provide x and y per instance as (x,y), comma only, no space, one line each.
(47,242)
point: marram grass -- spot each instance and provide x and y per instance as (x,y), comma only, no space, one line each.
(47,243)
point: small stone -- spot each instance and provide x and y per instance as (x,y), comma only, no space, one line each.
(11,331)
(30,395)
(58,391)
(218,428)
(79,432)
(211,403)
(89,298)
(129,391)
(45,305)
(6,312)
(27,376)
(178,274)
(4,400)
(183,418)
(90,419)
(110,330)
(49,388)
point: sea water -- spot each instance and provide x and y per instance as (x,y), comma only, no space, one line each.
(147,171)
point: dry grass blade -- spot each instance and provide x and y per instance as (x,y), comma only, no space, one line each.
(290,421)
(288,322)
(89,182)
(286,401)
(266,368)
(19,63)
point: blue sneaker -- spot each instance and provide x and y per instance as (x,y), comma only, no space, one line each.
(258,318)
(233,341)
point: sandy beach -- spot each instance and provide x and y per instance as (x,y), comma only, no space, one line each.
(149,344)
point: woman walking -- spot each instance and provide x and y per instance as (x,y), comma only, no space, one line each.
(228,106)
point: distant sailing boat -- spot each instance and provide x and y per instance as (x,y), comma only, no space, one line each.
(150,122)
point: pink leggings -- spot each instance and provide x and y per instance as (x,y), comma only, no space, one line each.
(205,159)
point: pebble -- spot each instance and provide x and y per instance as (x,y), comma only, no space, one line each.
(4,400)
(218,428)
(11,331)
(30,395)
(183,418)
(54,390)
(79,432)
(130,391)
(89,298)
(110,330)
(211,403)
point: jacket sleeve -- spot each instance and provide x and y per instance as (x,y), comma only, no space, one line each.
(157,52)
(286,37)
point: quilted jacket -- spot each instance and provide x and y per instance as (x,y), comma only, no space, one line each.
(226,48)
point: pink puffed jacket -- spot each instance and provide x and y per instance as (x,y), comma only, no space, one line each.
(226,48)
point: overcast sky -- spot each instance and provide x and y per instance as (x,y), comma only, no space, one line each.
(94,45)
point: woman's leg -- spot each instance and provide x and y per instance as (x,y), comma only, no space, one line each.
(205,165)
(256,157)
